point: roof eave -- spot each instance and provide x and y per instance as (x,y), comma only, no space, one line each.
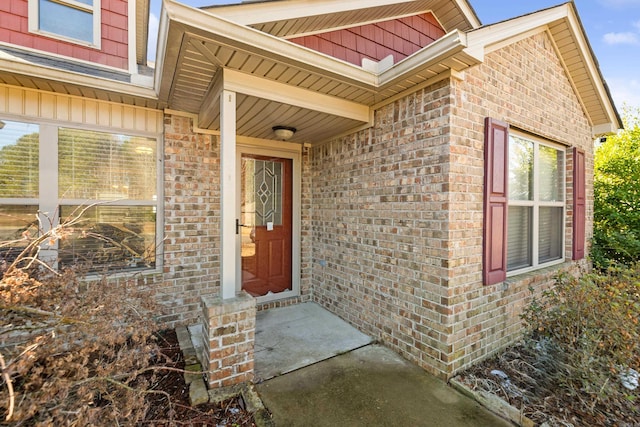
(178,19)
(77,79)
(485,38)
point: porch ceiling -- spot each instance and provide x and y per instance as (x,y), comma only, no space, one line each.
(278,82)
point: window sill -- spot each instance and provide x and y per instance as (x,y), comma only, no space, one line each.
(142,272)
(547,271)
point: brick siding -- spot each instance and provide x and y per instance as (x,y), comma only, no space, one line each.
(398,210)
(525,85)
(191,246)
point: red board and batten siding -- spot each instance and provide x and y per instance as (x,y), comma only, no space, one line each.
(398,37)
(14,29)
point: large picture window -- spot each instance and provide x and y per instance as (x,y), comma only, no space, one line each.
(535,203)
(74,20)
(106,183)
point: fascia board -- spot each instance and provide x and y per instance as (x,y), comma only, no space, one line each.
(481,40)
(593,69)
(257,13)
(166,56)
(469,13)
(491,37)
(206,25)
(447,45)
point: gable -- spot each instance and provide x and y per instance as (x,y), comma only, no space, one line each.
(291,18)
(399,38)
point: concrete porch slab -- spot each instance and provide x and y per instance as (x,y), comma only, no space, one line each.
(290,338)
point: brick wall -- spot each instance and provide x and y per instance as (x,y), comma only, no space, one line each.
(191,247)
(397,209)
(14,29)
(380,226)
(525,85)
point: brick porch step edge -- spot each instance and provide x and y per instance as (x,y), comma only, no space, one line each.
(494,404)
(198,393)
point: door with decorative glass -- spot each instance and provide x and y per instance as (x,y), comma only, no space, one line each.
(265,224)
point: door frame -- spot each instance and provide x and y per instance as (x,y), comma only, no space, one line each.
(283,150)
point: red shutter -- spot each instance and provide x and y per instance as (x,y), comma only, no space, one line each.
(496,175)
(579,203)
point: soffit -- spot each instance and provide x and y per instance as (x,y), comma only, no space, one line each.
(196,45)
(18,70)
(573,49)
(295,17)
(142,30)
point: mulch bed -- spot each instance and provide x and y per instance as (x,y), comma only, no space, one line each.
(529,388)
(174,409)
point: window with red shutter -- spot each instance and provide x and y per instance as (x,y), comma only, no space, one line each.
(524,203)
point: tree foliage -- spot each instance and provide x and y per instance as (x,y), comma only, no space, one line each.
(616,234)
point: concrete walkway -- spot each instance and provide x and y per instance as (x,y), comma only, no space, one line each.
(349,382)
(370,386)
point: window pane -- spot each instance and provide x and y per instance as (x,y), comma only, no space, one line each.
(103,166)
(519,237)
(19,159)
(550,234)
(66,21)
(551,176)
(268,196)
(520,169)
(110,237)
(17,223)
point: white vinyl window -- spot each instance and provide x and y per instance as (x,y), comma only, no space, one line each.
(77,21)
(536,206)
(108,181)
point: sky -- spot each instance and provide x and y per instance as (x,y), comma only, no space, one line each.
(612,26)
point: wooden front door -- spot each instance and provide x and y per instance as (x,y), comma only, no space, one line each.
(266,224)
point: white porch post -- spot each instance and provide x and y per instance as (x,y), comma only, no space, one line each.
(228,194)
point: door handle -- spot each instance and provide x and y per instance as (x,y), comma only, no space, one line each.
(238,225)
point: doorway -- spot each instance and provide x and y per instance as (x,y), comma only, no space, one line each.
(268,265)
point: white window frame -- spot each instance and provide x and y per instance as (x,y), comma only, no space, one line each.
(95,10)
(49,203)
(536,204)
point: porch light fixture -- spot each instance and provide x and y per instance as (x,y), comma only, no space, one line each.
(283,133)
